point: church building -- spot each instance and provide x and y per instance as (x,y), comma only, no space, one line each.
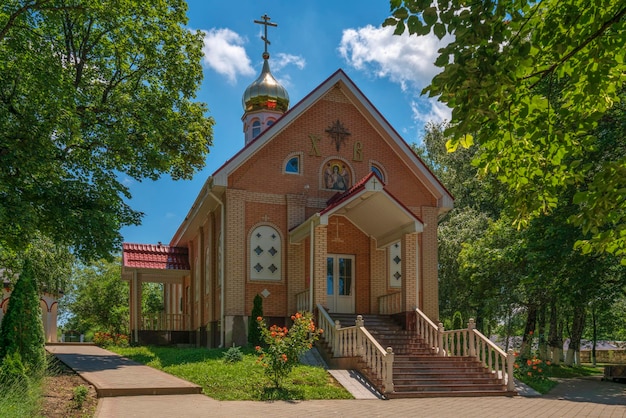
(325,206)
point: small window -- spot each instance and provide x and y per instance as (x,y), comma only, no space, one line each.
(293,165)
(395,264)
(270,122)
(256,128)
(376,170)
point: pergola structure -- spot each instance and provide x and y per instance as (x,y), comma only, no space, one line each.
(157,264)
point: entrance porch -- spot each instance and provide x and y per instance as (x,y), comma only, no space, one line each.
(350,253)
(142,263)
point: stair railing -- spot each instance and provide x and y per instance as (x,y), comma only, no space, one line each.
(378,360)
(470,342)
(492,356)
(431,333)
(341,340)
(356,341)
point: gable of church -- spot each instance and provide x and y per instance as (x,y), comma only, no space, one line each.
(325,150)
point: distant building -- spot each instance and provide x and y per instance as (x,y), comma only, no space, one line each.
(47,301)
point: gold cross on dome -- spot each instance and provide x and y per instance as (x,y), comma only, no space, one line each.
(337,133)
(266,22)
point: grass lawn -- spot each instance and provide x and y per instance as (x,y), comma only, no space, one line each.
(244,380)
(544,385)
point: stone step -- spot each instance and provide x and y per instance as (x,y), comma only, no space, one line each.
(418,372)
(448,387)
(438,381)
(448,394)
(430,374)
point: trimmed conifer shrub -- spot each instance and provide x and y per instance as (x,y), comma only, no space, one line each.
(254,333)
(22,327)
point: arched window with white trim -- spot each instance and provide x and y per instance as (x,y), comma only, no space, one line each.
(265,254)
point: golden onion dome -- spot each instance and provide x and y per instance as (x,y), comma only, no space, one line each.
(265,93)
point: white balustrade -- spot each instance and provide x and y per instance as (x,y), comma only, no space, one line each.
(164,322)
(356,341)
(302,301)
(390,304)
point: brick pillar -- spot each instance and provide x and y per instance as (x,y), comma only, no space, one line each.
(379,273)
(234,280)
(319,266)
(296,276)
(409,272)
(235,243)
(429,265)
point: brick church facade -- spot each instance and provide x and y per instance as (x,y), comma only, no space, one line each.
(324,206)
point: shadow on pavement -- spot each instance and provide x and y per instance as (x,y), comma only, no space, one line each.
(589,389)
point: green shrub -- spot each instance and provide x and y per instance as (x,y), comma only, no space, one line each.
(283,347)
(21,330)
(233,355)
(80,395)
(254,333)
(13,370)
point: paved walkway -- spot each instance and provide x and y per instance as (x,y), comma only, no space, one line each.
(573,398)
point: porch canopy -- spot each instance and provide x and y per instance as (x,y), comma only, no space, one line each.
(156,263)
(370,208)
(151,263)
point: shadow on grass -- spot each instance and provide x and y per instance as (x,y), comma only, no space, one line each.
(281,394)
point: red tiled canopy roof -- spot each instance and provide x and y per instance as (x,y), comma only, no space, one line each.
(160,257)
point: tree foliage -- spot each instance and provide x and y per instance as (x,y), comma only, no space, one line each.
(21,330)
(98,298)
(254,332)
(93,92)
(52,264)
(530,83)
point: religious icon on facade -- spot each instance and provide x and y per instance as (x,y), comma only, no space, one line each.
(336,176)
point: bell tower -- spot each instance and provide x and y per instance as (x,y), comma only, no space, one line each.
(265,100)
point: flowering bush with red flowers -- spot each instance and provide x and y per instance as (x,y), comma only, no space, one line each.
(105,339)
(283,346)
(530,369)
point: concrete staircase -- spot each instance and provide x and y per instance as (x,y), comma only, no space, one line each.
(417,372)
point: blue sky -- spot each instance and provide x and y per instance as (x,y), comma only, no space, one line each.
(313,39)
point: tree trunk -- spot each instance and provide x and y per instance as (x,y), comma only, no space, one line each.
(541,332)
(578,325)
(555,341)
(527,338)
(595,335)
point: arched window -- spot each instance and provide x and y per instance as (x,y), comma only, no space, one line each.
(256,128)
(265,254)
(376,170)
(293,165)
(270,122)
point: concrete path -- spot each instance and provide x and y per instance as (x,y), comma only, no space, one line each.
(573,398)
(113,375)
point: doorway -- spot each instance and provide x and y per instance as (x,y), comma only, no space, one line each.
(340,283)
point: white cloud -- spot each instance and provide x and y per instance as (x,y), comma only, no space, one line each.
(281,60)
(430,110)
(224,52)
(406,60)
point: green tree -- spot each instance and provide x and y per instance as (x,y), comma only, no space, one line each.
(98,298)
(254,332)
(92,92)
(529,82)
(152,298)
(21,330)
(52,264)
